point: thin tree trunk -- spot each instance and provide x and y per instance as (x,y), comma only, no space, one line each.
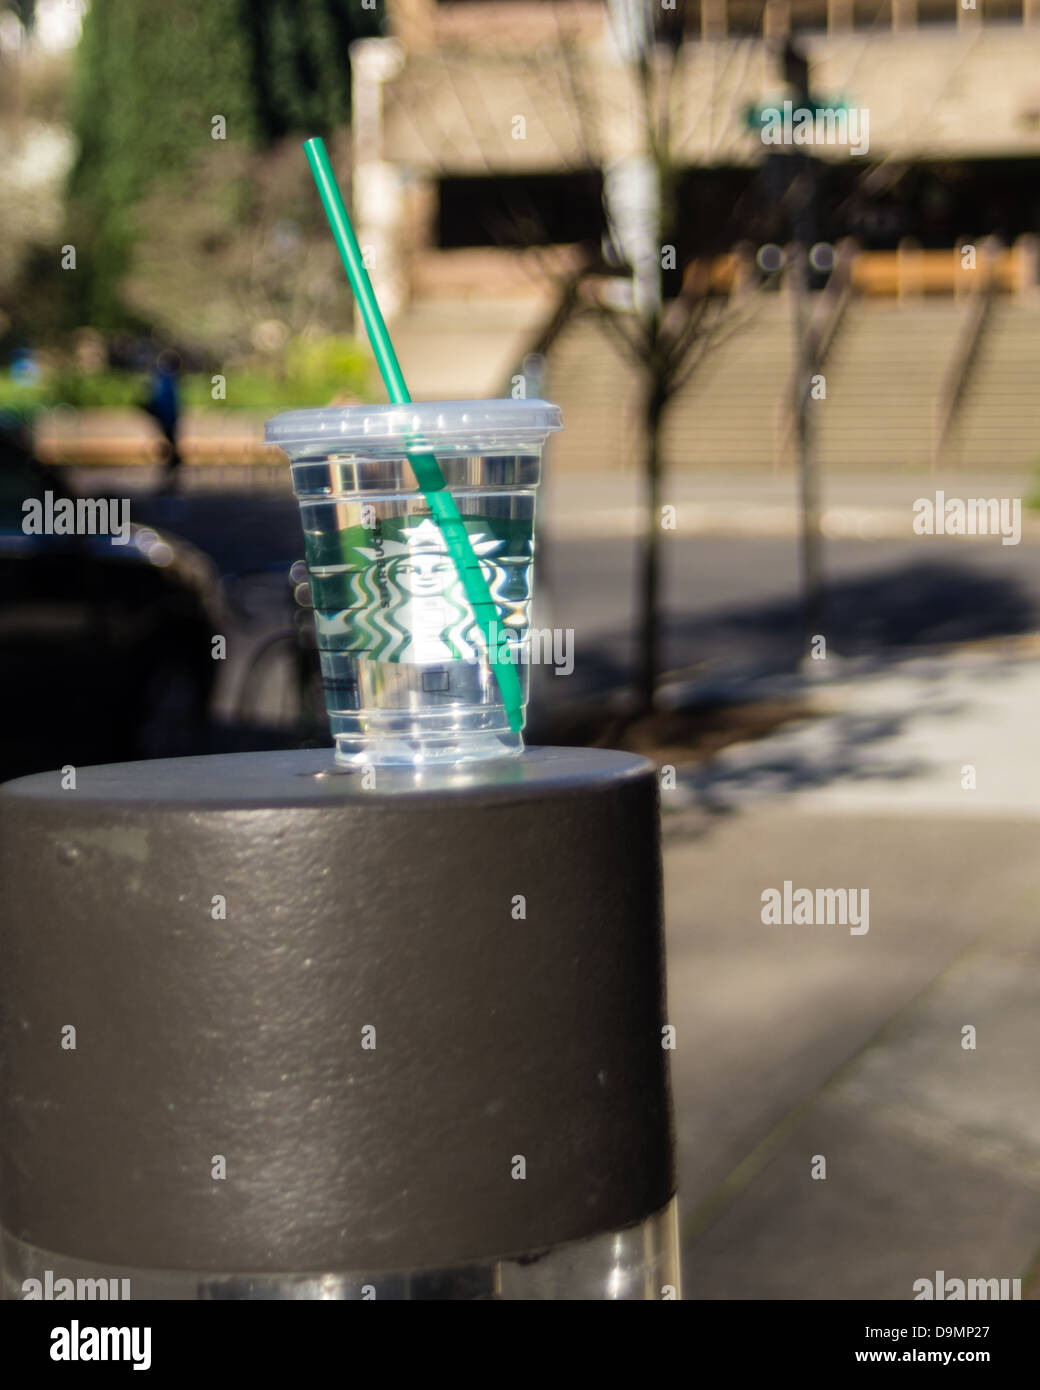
(812,582)
(649,616)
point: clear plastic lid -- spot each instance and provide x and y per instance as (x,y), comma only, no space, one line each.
(434,423)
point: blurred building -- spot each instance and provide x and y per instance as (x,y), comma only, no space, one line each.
(482,132)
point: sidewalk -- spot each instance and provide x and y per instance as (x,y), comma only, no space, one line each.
(763,503)
(953,734)
(799,1041)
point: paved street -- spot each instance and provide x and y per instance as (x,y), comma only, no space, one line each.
(730,590)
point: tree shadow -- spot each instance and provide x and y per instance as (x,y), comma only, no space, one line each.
(843,747)
(906,619)
(886,617)
(894,613)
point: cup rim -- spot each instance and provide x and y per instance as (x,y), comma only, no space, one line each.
(418,424)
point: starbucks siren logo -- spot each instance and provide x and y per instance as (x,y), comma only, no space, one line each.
(428,618)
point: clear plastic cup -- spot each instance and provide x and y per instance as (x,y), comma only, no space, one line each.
(406,673)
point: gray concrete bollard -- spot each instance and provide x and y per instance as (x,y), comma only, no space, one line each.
(336,1034)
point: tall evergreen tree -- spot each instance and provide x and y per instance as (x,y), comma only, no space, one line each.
(150,79)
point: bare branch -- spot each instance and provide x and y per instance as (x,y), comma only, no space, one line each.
(728,322)
(633,347)
(578,94)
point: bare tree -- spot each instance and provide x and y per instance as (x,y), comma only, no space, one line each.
(664,341)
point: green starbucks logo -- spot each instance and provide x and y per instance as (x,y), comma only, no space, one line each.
(407,603)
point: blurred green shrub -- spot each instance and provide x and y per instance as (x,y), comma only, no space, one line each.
(317,371)
(150,84)
(337,364)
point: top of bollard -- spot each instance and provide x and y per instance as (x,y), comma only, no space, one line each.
(308,778)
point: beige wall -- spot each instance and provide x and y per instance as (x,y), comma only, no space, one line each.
(420,23)
(951,92)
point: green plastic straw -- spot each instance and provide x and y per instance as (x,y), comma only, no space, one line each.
(425,467)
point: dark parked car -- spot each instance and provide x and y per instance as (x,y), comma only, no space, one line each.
(105,639)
